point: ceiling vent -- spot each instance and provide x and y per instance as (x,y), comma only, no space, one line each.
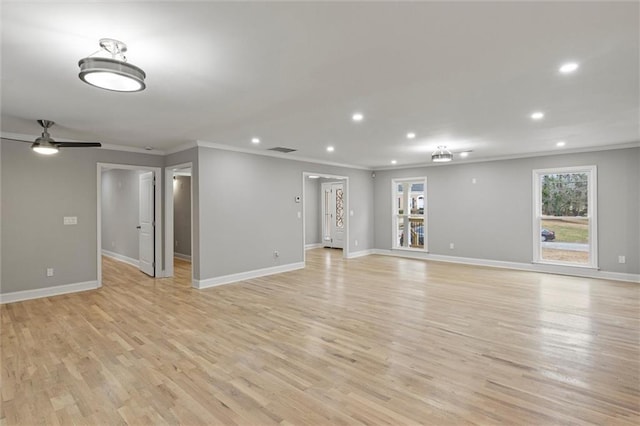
(282,149)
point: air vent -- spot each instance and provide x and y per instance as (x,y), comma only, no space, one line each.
(282,149)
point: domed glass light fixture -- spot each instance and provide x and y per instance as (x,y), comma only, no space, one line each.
(441,155)
(113,73)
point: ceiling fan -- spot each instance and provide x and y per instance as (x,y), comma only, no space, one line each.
(45,144)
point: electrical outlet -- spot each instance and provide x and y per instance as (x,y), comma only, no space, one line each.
(70,220)
(276,253)
(622,259)
(176,243)
(49,272)
(356,243)
(451,246)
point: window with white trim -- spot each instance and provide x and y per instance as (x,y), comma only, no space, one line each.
(409,198)
(564,217)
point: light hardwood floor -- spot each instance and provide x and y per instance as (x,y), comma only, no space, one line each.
(374,340)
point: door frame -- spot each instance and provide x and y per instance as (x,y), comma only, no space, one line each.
(157,174)
(168,224)
(346,249)
(323,211)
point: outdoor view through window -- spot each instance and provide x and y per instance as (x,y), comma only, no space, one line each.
(564,217)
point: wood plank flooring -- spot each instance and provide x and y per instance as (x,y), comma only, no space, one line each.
(373,340)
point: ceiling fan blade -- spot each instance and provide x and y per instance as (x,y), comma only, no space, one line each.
(77,144)
(16,140)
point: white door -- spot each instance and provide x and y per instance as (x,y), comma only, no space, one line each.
(333,218)
(146,230)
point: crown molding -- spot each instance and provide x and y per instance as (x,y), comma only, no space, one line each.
(515,156)
(181,148)
(126,148)
(291,157)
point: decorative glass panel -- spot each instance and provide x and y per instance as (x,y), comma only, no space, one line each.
(339,208)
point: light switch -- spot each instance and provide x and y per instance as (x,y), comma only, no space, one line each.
(70,220)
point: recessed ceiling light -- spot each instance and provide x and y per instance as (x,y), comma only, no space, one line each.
(537,115)
(464,154)
(561,143)
(357,116)
(569,67)
(394,162)
(411,135)
(255,140)
(330,149)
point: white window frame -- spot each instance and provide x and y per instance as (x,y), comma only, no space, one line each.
(592,209)
(394,213)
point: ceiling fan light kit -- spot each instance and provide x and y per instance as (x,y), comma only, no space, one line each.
(45,148)
(46,145)
(441,155)
(113,73)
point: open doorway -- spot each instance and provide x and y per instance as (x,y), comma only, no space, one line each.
(127,213)
(325,212)
(179,220)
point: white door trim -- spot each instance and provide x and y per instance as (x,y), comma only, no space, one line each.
(157,173)
(168,224)
(347,245)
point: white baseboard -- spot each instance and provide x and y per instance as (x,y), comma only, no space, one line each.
(532,267)
(242,276)
(18,296)
(360,253)
(182,256)
(122,258)
(312,246)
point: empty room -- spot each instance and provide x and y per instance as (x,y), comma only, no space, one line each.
(256,213)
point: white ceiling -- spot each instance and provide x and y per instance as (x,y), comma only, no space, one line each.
(465,75)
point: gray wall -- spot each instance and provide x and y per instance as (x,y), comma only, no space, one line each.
(247,206)
(37,192)
(492,219)
(120,211)
(312,211)
(182,215)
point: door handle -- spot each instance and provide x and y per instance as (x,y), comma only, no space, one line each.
(138,227)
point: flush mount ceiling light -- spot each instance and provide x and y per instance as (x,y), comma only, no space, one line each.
(357,116)
(441,155)
(112,73)
(538,115)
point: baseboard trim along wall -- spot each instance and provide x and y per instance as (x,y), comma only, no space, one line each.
(19,296)
(360,253)
(122,258)
(531,267)
(182,256)
(312,246)
(242,276)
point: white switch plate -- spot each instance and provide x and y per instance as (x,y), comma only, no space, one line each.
(451,246)
(49,272)
(70,220)
(622,259)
